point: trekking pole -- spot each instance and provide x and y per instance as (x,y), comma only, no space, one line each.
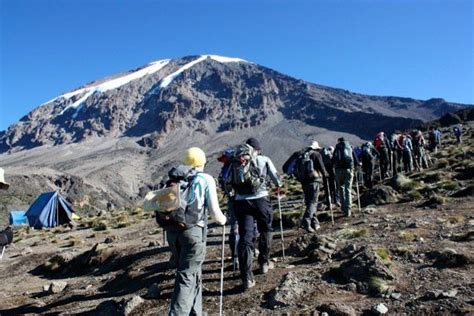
(357,190)
(221,305)
(281,226)
(329,200)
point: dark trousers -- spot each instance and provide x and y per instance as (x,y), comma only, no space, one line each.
(368,168)
(384,163)
(247,212)
(311,192)
(234,228)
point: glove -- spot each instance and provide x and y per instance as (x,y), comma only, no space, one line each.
(278,190)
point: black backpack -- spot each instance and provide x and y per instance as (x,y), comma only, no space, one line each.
(244,174)
(343,156)
(177,206)
(304,167)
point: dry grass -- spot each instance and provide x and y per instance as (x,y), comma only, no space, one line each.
(350,233)
(407,236)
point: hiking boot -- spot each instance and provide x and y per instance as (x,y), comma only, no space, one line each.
(308,229)
(316,226)
(249,284)
(266,266)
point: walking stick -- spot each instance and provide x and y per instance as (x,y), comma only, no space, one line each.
(329,200)
(281,226)
(221,305)
(357,189)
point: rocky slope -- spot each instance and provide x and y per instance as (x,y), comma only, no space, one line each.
(409,251)
(116,137)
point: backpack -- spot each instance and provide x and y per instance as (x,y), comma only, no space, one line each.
(367,151)
(223,178)
(304,167)
(290,164)
(244,175)
(343,156)
(176,206)
(379,142)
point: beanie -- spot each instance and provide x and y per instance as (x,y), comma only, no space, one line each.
(254,143)
(195,157)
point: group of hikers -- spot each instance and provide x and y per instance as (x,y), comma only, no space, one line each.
(244,180)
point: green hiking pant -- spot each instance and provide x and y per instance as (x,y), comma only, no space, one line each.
(189,249)
(344,185)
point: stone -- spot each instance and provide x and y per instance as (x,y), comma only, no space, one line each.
(364,265)
(432,295)
(154,243)
(110,239)
(400,182)
(337,309)
(449,258)
(57,287)
(449,294)
(380,309)
(351,287)
(291,288)
(128,305)
(395,295)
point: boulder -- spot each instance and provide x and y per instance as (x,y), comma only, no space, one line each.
(379,194)
(450,258)
(364,265)
(292,287)
(314,247)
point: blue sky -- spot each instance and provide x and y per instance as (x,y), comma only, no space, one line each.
(419,49)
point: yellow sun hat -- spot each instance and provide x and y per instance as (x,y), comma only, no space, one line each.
(195,157)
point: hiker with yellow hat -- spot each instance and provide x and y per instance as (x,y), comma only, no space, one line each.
(3,185)
(188,242)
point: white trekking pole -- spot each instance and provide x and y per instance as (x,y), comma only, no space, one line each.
(281,225)
(221,303)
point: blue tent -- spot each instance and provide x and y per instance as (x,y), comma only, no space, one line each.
(18,218)
(50,209)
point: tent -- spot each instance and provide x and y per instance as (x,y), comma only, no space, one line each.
(17,218)
(50,209)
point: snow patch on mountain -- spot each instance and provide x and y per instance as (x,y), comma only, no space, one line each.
(110,85)
(222,59)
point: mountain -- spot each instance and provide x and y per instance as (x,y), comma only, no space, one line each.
(113,138)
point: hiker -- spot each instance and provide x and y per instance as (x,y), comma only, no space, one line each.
(419,153)
(457,130)
(225,159)
(248,174)
(407,151)
(330,184)
(368,156)
(3,185)
(344,161)
(382,144)
(397,152)
(310,173)
(434,138)
(188,244)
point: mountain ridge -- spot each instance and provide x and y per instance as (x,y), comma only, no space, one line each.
(115,106)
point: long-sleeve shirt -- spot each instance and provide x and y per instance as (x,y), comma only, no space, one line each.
(266,169)
(206,193)
(318,163)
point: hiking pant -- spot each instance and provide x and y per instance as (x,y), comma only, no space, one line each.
(311,192)
(234,228)
(384,163)
(344,183)
(368,168)
(247,212)
(189,249)
(407,161)
(420,156)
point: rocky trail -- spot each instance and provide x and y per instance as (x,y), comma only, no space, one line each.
(409,251)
